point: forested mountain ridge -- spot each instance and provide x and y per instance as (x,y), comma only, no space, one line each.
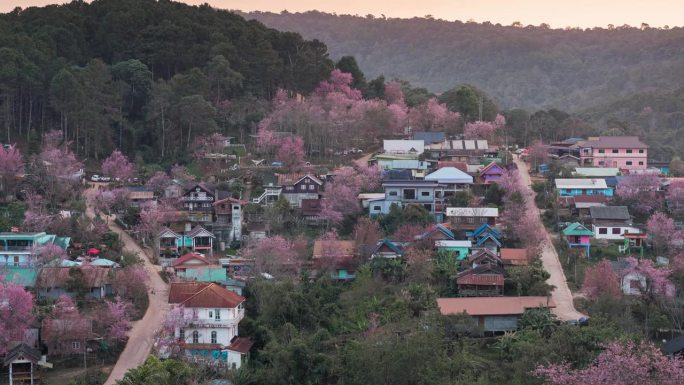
(530,67)
(143,75)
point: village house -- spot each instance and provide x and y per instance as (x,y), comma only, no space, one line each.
(54,282)
(461,150)
(416,147)
(429,137)
(568,187)
(337,257)
(22,361)
(402,193)
(491,173)
(493,314)
(209,326)
(470,218)
(197,239)
(484,257)
(66,337)
(217,211)
(633,243)
(611,222)
(631,282)
(576,235)
(623,152)
(453,178)
(410,162)
(298,187)
(188,261)
(484,280)
(386,248)
(514,257)
(460,249)
(19,249)
(238,268)
(485,237)
(596,172)
(138,195)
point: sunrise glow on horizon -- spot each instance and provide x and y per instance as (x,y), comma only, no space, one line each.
(556,13)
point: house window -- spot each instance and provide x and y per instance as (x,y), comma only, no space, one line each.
(641,163)
(634,284)
(218,315)
(16,260)
(603,230)
(615,151)
(213,336)
(629,151)
(211,314)
(425,193)
(393,193)
(409,193)
(181,334)
(195,337)
(602,151)
(629,163)
(311,187)
(641,151)
(428,207)
(76,345)
(615,230)
(470,220)
(377,208)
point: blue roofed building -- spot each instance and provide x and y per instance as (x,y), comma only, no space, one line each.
(19,249)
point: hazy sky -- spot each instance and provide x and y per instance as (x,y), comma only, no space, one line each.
(558,13)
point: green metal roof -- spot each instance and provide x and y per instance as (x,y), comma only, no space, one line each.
(206,274)
(63,242)
(22,236)
(22,276)
(577,229)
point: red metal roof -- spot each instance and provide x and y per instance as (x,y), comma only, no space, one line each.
(514,256)
(241,345)
(483,306)
(202,294)
(189,256)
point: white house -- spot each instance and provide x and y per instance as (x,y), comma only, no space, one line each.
(208,328)
(453,178)
(403,146)
(611,222)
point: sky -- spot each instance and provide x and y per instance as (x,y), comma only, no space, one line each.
(557,13)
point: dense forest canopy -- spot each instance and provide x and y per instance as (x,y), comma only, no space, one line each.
(527,67)
(127,72)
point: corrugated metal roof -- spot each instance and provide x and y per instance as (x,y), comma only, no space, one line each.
(483,306)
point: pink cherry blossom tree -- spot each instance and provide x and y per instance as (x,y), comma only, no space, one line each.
(480,130)
(367,233)
(675,196)
(647,366)
(339,82)
(116,318)
(182,174)
(11,165)
(394,94)
(16,315)
(657,278)
(158,182)
(407,232)
(274,255)
(65,323)
(48,253)
(601,280)
(433,116)
(291,152)
(118,166)
(131,283)
(538,153)
(639,192)
(662,231)
(153,217)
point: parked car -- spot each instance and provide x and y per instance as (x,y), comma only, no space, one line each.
(105,179)
(277,164)
(356,150)
(95,178)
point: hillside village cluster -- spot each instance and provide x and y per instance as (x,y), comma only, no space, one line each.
(219,239)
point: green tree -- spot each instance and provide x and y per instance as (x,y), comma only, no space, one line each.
(349,65)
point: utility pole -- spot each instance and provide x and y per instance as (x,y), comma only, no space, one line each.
(480,107)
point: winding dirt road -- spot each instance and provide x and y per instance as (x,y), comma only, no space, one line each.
(562,296)
(142,334)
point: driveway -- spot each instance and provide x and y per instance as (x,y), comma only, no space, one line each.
(562,296)
(141,337)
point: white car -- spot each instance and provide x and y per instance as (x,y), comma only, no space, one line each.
(95,178)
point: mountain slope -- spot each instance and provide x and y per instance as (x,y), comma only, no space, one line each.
(527,67)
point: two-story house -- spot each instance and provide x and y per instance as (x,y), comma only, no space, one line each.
(208,328)
(453,178)
(198,201)
(297,187)
(428,194)
(611,222)
(623,152)
(19,249)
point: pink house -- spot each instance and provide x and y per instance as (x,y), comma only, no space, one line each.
(623,152)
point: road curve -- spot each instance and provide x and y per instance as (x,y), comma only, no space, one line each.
(142,333)
(562,296)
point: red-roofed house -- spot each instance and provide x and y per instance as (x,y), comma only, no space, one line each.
(209,325)
(486,280)
(514,257)
(493,314)
(189,260)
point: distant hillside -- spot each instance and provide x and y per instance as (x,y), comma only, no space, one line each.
(658,117)
(529,67)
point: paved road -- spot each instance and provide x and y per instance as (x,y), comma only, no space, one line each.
(562,296)
(142,334)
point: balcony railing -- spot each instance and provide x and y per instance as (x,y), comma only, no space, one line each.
(15,248)
(197,199)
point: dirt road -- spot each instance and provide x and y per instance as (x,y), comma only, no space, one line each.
(562,296)
(141,336)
